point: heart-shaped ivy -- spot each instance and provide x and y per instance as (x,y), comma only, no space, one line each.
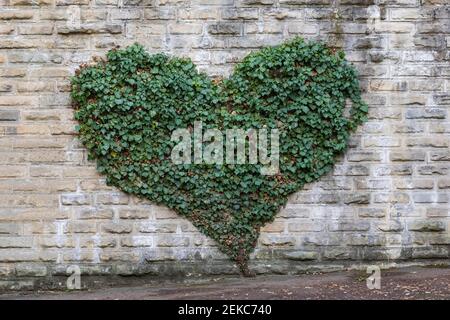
(129,105)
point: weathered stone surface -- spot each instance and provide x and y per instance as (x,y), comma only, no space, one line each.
(117,228)
(112,199)
(301,255)
(430,113)
(386,198)
(9,115)
(137,241)
(91,29)
(372,212)
(430,253)
(134,214)
(349,226)
(225,28)
(426,226)
(277,240)
(80,227)
(408,155)
(94,213)
(29,270)
(391,226)
(172,241)
(156,227)
(16,14)
(76,199)
(357,198)
(15,242)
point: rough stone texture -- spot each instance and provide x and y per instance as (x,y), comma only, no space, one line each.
(386,200)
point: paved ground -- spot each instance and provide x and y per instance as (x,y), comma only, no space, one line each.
(407,283)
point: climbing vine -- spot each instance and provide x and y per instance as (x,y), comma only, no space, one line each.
(129,104)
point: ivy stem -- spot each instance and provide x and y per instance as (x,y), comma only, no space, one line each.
(243,267)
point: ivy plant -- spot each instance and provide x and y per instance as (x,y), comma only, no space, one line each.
(129,104)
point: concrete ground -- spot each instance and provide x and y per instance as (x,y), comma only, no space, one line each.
(405,283)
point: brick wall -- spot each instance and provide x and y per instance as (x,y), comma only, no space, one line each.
(387,200)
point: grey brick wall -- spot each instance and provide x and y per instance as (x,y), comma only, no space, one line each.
(387,200)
